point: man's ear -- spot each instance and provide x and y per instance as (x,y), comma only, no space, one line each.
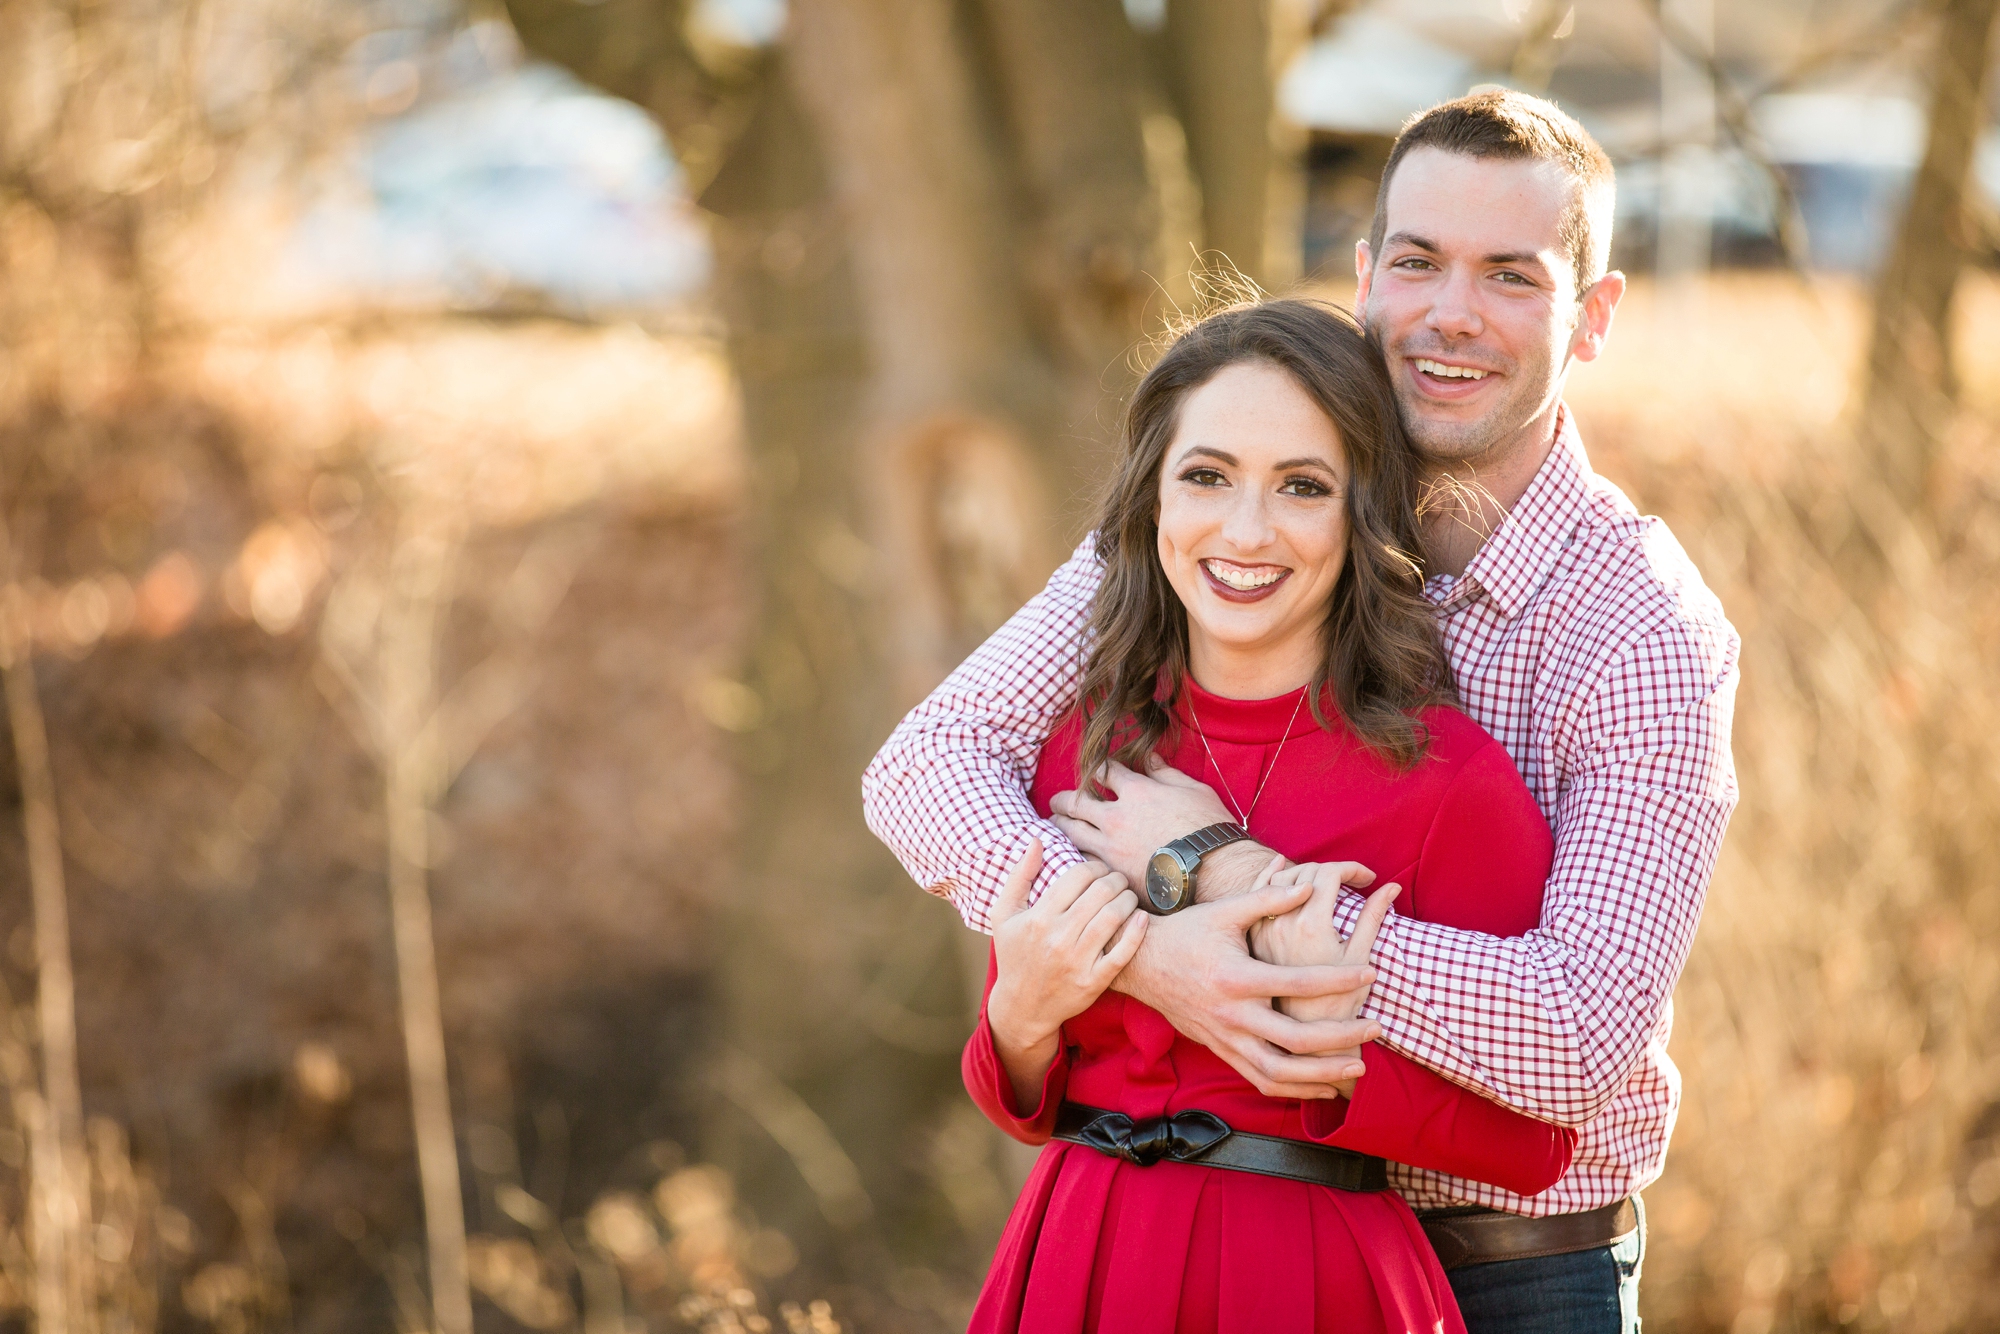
(1593,325)
(1364,272)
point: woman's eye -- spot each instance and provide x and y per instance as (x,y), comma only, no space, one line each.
(1203,477)
(1303,486)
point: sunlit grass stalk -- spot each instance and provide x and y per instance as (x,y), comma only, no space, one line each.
(65,1287)
(408,666)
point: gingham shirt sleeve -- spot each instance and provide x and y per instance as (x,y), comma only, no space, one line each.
(1552,1023)
(948,790)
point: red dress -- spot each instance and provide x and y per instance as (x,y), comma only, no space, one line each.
(1096,1243)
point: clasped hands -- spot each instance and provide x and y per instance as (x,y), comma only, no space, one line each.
(1255,971)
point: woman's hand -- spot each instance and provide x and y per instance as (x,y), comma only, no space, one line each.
(1053,960)
(1306,939)
(1306,935)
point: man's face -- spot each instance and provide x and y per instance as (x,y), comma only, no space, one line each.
(1473,298)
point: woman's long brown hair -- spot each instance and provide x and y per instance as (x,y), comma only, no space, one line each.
(1382,659)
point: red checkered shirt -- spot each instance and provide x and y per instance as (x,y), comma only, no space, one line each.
(1583,639)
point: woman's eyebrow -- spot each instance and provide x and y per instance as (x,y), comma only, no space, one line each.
(1223,456)
(1208,451)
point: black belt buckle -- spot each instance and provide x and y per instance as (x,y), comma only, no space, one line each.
(1205,1138)
(1181,1138)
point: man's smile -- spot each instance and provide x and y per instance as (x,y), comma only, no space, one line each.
(1448,371)
(1438,379)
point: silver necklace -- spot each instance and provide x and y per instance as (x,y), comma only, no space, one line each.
(1243,816)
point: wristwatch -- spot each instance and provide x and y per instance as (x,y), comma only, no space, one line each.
(1170,875)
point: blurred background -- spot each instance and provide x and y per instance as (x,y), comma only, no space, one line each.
(479,482)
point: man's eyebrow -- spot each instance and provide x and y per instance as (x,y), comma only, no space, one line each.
(1522,257)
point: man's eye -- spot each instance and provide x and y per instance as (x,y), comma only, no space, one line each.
(1507,276)
(1204,477)
(1413,262)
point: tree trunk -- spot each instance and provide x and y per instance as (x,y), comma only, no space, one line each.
(932,222)
(1073,81)
(1911,388)
(1218,56)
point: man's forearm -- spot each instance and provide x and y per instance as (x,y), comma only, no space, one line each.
(1550,1023)
(947,792)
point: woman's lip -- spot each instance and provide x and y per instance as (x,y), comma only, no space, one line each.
(1438,387)
(1228,594)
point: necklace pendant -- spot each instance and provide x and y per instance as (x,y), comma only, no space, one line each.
(1228,794)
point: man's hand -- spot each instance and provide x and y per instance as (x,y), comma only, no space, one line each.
(1194,968)
(1151,811)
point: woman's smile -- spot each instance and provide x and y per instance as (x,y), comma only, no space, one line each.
(1243,583)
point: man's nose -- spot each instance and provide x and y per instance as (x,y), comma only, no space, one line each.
(1454,314)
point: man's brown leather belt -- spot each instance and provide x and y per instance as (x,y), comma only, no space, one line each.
(1476,1236)
(1205,1138)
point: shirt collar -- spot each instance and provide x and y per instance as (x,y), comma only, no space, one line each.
(1513,562)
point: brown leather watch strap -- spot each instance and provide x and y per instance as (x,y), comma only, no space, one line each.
(1475,1236)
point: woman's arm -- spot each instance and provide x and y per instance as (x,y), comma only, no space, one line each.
(1050,963)
(1403,1112)
(1029,1117)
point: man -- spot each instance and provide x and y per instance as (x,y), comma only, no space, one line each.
(1580,636)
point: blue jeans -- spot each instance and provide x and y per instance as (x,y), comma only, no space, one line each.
(1586,1292)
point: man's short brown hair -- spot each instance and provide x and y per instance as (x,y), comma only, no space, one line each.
(1501,123)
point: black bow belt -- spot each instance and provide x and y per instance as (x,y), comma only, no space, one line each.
(1205,1138)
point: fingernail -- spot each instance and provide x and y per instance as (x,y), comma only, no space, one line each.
(1355,1072)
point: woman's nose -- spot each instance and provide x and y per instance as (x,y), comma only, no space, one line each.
(1248,527)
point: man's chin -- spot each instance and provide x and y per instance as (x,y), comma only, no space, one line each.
(1447,439)
(1445,435)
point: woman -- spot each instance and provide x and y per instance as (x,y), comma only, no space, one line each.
(1261,627)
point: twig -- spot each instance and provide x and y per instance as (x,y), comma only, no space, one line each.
(65,1281)
(407,654)
(421,742)
(1733,110)
(799,1131)
(1539,51)
(1885,31)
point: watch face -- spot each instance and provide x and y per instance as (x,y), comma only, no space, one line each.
(1166,882)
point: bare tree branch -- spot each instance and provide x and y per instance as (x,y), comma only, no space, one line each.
(1733,109)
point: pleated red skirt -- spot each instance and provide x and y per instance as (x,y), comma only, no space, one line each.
(1097,1244)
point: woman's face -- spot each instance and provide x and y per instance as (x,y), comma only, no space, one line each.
(1253,528)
